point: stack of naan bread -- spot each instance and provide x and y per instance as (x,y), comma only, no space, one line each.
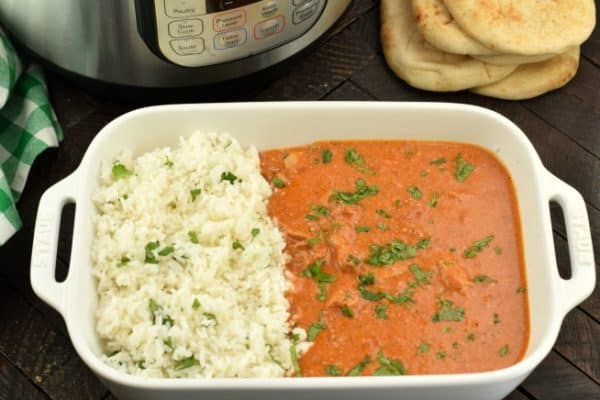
(510,49)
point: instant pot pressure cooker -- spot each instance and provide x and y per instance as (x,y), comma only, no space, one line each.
(167,43)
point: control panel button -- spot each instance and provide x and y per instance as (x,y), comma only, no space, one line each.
(185,47)
(184,8)
(305,11)
(269,9)
(185,27)
(232,20)
(269,27)
(228,40)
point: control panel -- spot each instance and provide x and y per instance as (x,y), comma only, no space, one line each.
(196,33)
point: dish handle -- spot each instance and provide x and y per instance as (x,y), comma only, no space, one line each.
(45,243)
(579,239)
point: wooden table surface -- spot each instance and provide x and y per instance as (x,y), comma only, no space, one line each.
(37,360)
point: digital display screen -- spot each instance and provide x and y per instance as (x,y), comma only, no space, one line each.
(213,6)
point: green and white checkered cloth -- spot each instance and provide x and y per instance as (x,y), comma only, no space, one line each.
(28,126)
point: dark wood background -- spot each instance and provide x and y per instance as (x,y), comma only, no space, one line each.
(37,360)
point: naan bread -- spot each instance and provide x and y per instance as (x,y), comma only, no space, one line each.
(526,27)
(439,29)
(423,66)
(532,80)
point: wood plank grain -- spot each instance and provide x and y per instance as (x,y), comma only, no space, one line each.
(325,68)
(27,339)
(578,342)
(75,381)
(516,395)
(14,385)
(356,9)
(348,91)
(560,154)
(574,109)
(591,48)
(556,379)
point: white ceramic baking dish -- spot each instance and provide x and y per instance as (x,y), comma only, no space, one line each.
(268,125)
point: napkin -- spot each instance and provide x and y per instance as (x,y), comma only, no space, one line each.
(28,126)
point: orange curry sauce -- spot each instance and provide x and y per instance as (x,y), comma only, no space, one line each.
(405,256)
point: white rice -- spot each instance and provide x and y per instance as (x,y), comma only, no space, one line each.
(219,309)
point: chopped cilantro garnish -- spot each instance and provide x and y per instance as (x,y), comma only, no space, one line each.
(195,304)
(484,279)
(434,200)
(195,193)
(415,193)
(471,337)
(423,348)
(141,364)
(371,296)
(359,368)
(382,213)
(347,311)
(448,312)
(381,311)
(320,210)
(294,359)
(237,245)
(315,329)
(315,272)
(314,240)
(229,177)
(423,244)
(440,355)
(311,217)
(362,229)
(389,253)
(389,366)
(353,260)
(153,306)
(478,246)
(119,171)
(211,317)
(402,297)
(521,290)
(278,182)
(193,237)
(421,277)
(438,161)
(368,279)
(362,191)
(352,157)
(165,251)
(168,163)
(382,227)
(455,345)
(498,250)
(397,203)
(327,156)
(123,262)
(496,319)
(322,294)
(255,232)
(463,168)
(150,257)
(503,352)
(151,246)
(423,173)
(155,309)
(185,363)
(333,370)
